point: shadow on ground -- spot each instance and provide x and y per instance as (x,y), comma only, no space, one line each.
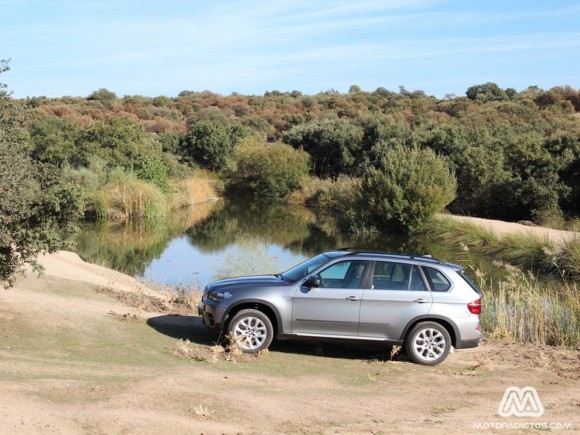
(184,328)
(192,328)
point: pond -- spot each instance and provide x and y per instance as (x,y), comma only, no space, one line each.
(234,237)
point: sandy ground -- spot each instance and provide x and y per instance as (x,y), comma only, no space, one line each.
(501,227)
(75,359)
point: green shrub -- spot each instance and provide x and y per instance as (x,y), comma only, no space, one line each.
(333,145)
(405,188)
(340,195)
(337,203)
(150,167)
(209,144)
(272,170)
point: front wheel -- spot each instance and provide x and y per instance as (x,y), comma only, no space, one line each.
(251,330)
(428,343)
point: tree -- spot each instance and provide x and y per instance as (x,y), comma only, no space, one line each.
(36,207)
(488,92)
(211,143)
(271,170)
(102,95)
(404,188)
(333,145)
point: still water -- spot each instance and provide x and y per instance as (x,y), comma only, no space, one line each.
(230,238)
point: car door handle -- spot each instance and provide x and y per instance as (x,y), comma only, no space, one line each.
(420,301)
(352,299)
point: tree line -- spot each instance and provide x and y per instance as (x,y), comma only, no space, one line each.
(383,160)
(515,154)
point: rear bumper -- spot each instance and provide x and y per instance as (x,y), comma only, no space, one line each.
(466,344)
(471,336)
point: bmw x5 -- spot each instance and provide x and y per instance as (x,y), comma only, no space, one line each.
(423,304)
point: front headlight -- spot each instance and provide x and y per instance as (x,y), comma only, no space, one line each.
(218,295)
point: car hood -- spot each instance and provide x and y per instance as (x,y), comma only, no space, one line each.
(246,281)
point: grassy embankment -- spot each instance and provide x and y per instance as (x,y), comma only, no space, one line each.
(522,306)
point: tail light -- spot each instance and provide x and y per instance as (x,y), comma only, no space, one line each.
(475,306)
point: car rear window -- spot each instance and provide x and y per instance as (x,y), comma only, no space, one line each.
(468,281)
(437,281)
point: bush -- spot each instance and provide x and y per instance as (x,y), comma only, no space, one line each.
(333,144)
(209,144)
(272,170)
(405,188)
(151,168)
(337,203)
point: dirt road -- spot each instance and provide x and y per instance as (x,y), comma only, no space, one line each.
(74,359)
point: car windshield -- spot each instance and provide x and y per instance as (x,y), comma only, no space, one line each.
(305,268)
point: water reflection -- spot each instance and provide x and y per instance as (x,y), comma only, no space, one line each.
(129,247)
(232,237)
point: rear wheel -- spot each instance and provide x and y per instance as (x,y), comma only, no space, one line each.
(428,343)
(251,330)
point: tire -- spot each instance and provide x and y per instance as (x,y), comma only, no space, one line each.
(428,343)
(251,330)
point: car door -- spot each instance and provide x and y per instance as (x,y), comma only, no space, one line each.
(333,307)
(397,294)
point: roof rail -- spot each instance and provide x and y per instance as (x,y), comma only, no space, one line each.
(355,251)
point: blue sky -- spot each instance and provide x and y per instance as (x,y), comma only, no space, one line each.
(162,47)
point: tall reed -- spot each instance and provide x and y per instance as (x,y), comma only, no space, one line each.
(129,198)
(569,257)
(191,191)
(524,308)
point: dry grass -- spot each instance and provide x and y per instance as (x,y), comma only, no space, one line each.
(463,233)
(191,191)
(569,257)
(202,411)
(125,197)
(526,309)
(169,299)
(129,198)
(229,351)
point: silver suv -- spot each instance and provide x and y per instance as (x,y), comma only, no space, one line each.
(423,304)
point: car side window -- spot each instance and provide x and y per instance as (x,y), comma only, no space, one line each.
(397,276)
(417,283)
(438,281)
(344,274)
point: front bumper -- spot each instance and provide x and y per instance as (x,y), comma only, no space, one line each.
(212,316)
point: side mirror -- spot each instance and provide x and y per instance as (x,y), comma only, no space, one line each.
(312,282)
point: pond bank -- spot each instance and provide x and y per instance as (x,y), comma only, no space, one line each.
(557,237)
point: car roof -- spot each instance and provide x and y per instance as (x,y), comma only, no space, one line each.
(423,259)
